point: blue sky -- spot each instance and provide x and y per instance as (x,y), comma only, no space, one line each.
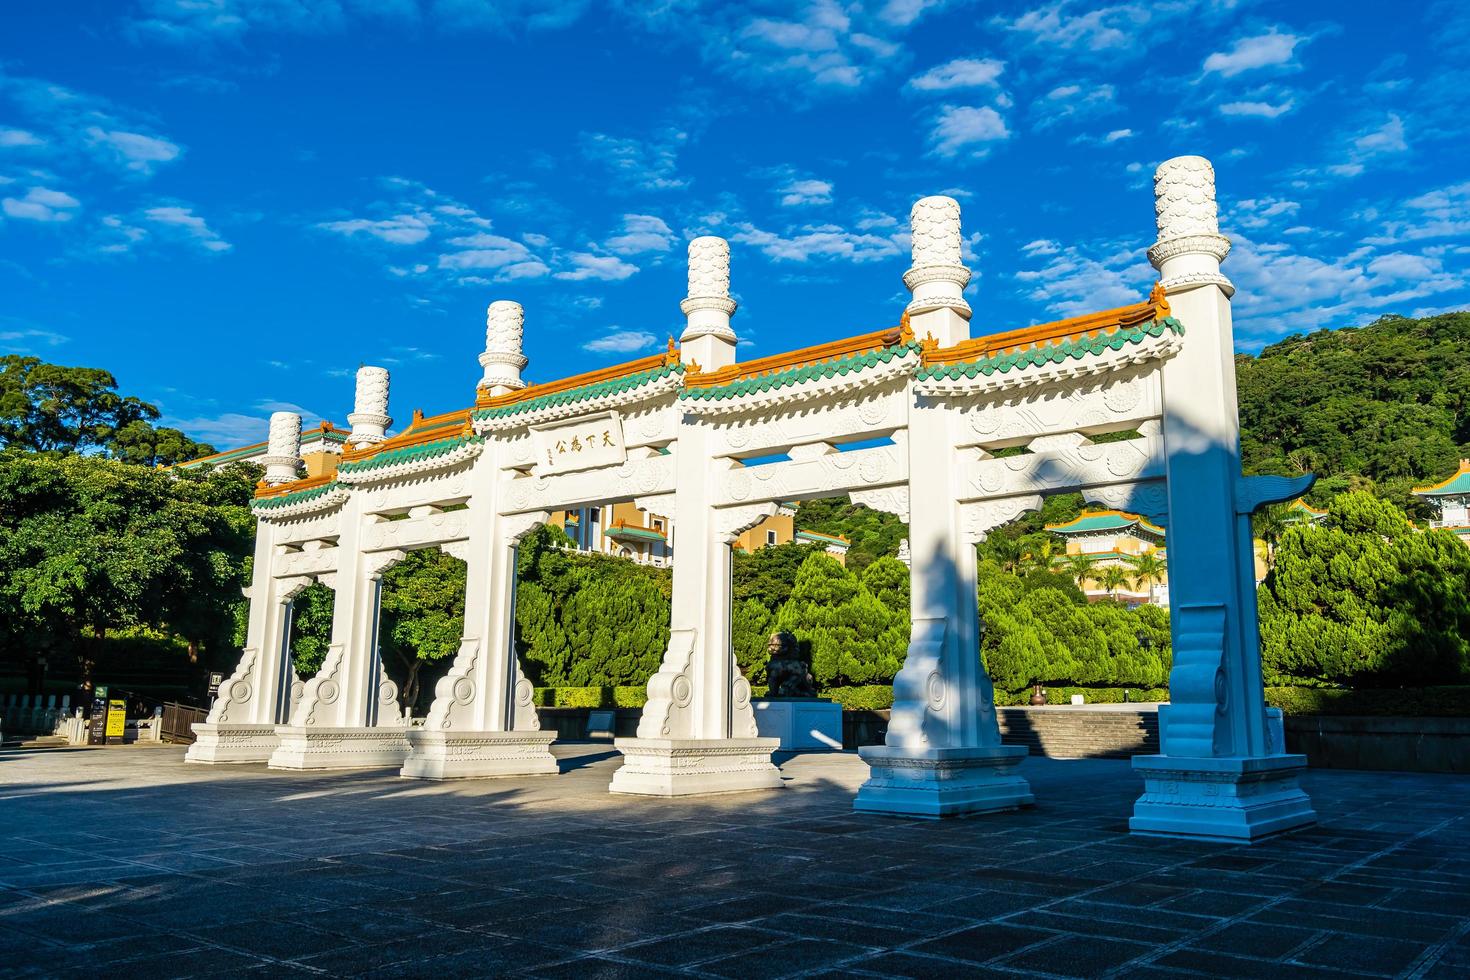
(232,203)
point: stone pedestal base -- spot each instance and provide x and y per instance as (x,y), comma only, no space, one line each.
(935,783)
(224,744)
(694,766)
(805,723)
(470,755)
(1234,799)
(339,748)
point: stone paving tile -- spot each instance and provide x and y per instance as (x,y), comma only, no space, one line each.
(195,871)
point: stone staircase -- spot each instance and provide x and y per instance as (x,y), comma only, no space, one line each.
(1066,732)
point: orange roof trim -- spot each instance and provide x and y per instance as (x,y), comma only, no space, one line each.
(669,357)
(1156,307)
(861,344)
(264,490)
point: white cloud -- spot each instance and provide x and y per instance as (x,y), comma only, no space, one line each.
(818,242)
(483,250)
(1263,110)
(802,192)
(1388,138)
(1073,282)
(135,151)
(1118,134)
(961,127)
(189,225)
(401,229)
(1254,213)
(1067,103)
(622,342)
(960,73)
(641,233)
(41,204)
(585,265)
(1249,53)
(1098,29)
(639,164)
(18,137)
(18,338)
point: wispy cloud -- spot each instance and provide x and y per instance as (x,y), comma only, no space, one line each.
(585,265)
(1262,110)
(957,74)
(810,242)
(622,342)
(971,129)
(641,233)
(1271,49)
(41,204)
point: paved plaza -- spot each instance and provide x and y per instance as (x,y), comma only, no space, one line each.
(130,861)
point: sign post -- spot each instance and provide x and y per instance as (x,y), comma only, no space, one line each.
(97,720)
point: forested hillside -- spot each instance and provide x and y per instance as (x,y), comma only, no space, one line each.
(1380,408)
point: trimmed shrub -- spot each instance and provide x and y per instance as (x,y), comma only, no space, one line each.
(1424,702)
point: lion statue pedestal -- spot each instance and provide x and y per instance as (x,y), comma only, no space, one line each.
(791,711)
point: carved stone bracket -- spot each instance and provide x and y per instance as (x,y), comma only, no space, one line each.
(731,522)
(978,519)
(890,500)
(671,691)
(237,690)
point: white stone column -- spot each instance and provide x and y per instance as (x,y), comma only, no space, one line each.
(483,721)
(1217,777)
(505,327)
(942,755)
(698,731)
(348,717)
(369,418)
(708,339)
(282,460)
(938,276)
(241,726)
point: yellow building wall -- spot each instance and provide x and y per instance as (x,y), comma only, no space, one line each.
(783,524)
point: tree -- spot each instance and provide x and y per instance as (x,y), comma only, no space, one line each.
(871,534)
(1365,599)
(311,628)
(422,614)
(1114,577)
(1079,567)
(89,544)
(1149,568)
(47,407)
(853,637)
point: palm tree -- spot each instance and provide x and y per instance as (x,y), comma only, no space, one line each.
(1113,578)
(1269,523)
(1044,556)
(1148,569)
(1079,567)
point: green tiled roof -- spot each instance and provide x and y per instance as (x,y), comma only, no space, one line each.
(612,386)
(407,454)
(1055,352)
(221,459)
(1454,486)
(296,497)
(799,375)
(640,533)
(1109,521)
(820,537)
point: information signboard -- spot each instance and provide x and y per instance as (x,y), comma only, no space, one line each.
(97,720)
(117,721)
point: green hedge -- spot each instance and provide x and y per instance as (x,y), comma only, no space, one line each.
(868,697)
(1423,702)
(591,697)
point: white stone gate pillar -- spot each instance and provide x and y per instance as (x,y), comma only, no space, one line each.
(483,721)
(1218,776)
(348,717)
(241,726)
(942,755)
(698,733)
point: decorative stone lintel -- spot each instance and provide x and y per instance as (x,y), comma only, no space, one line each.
(695,766)
(471,755)
(1235,799)
(232,744)
(339,748)
(942,782)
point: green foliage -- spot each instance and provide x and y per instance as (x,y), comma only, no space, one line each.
(422,614)
(767,575)
(1366,600)
(871,534)
(1424,702)
(1041,634)
(311,628)
(587,619)
(89,544)
(1026,542)
(868,697)
(591,697)
(853,636)
(71,409)
(751,626)
(1382,407)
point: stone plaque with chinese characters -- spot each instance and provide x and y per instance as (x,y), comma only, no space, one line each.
(580,444)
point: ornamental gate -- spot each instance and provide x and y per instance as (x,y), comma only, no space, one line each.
(715,445)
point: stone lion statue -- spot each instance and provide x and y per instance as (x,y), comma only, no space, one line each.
(788,674)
